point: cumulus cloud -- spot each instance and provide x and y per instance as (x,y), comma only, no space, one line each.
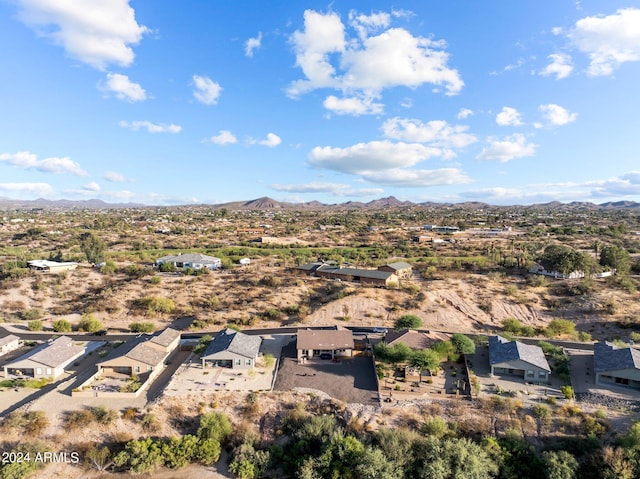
(369,62)
(464,113)
(224,137)
(335,189)
(509,117)
(436,132)
(206,90)
(507,149)
(91,186)
(609,41)
(353,106)
(115,177)
(560,65)
(30,161)
(252,44)
(150,127)
(555,115)
(123,88)
(272,140)
(417,177)
(95,33)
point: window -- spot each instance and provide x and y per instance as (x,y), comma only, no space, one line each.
(137,369)
(238,362)
(542,374)
(247,362)
(49,371)
(38,371)
(530,373)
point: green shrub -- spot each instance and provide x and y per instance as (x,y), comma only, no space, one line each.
(35,325)
(89,323)
(142,327)
(62,326)
(31,314)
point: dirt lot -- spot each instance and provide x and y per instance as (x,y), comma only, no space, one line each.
(350,380)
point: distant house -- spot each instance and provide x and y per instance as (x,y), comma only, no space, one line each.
(400,268)
(140,355)
(414,339)
(616,366)
(537,268)
(232,349)
(47,360)
(337,342)
(191,260)
(364,276)
(51,266)
(244,261)
(9,343)
(518,359)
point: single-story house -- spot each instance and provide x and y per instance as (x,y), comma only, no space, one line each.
(537,268)
(232,349)
(167,341)
(191,260)
(401,269)
(51,266)
(244,261)
(47,360)
(338,342)
(9,343)
(364,276)
(414,339)
(618,366)
(518,359)
(139,355)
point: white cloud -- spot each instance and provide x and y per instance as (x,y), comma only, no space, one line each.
(367,64)
(506,149)
(150,127)
(98,33)
(560,66)
(435,132)
(91,186)
(464,113)
(252,44)
(27,160)
(609,41)
(115,177)
(271,141)
(372,156)
(508,117)
(335,189)
(555,115)
(123,88)
(30,189)
(224,137)
(353,106)
(206,90)
(417,178)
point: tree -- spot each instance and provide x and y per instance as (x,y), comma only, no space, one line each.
(425,360)
(463,344)
(560,465)
(214,426)
(93,248)
(616,257)
(408,321)
(542,413)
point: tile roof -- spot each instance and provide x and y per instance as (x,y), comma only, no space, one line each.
(166,337)
(502,350)
(324,339)
(54,353)
(607,357)
(235,342)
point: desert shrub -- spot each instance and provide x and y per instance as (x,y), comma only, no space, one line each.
(149,422)
(89,323)
(214,426)
(515,327)
(62,326)
(35,325)
(408,321)
(31,314)
(155,305)
(103,415)
(142,327)
(271,281)
(511,290)
(79,420)
(567,391)
(108,268)
(560,327)
(155,280)
(129,413)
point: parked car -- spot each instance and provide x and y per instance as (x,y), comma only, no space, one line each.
(102,332)
(380,330)
(325,356)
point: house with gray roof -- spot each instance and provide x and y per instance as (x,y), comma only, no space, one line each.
(191,260)
(9,343)
(232,349)
(401,269)
(616,366)
(518,359)
(47,360)
(364,276)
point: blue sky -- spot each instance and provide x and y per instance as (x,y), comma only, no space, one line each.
(163,102)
